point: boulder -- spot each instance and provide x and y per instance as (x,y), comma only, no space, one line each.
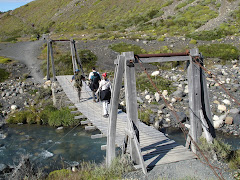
(227,102)
(178,93)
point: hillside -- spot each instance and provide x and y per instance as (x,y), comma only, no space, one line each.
(134,19)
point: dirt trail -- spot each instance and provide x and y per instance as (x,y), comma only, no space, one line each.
(27,53)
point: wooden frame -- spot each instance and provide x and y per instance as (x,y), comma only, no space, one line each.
(200,113)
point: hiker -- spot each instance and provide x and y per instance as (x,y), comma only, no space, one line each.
(105,93)
(78,82)
(38,36)
(94,77)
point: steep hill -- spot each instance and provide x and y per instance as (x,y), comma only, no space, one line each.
(142,19)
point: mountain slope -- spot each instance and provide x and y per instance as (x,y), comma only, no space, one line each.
(152,17)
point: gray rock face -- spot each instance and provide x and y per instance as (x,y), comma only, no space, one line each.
(236,119)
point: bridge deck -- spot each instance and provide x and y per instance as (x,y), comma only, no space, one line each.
(155,146)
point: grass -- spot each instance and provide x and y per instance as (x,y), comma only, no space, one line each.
(3,75)
(124,47)
(4,60)
(87,170)
(223,51)
(143,83)
(223,151)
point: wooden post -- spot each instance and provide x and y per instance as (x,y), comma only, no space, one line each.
(73,55)
(194,98)
(53,87)
(131,100)
(48,51)
(52,60)
(206,109)
(114,110)
(205,127)
(78,59)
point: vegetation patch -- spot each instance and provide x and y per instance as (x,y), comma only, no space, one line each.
(144,115)
(87,170)
(223,151)
(222,51)
(143,83)
(124,47)
(4,60)
(3,75)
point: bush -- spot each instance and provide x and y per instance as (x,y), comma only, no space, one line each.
(222,51)
(143,83)
(88,59)
(193,41)
(18,117)
(144,116)
(62,117)
(4,60)
(3,75)
(59,174)
(124,47)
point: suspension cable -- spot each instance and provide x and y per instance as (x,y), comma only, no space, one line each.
(181,124)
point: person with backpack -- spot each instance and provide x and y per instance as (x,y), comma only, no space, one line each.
(95,78)
(105,93)
(78,82)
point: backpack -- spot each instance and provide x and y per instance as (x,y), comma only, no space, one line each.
(95,81)
(78,81)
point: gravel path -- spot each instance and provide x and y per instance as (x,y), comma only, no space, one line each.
(189,169)
(27,53)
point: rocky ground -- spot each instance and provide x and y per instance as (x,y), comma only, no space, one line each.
(16,93)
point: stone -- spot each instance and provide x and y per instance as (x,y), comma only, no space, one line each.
(59,128)
(139,100)
(147,97)
(222,107)
(178,93)
(165,92)
(236,119)
(227,102)
(14,107)
(187,126)
(217,124)
(155,73)
(234,111)
(157,96)
(229,120)
(215,118)
(48,83)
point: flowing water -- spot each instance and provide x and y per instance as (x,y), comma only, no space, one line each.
(49,148)
(52,149)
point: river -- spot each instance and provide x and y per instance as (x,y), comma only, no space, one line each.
(52,149)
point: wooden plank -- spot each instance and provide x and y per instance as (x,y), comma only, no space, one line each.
(151,141)
(89,128)
(96,136)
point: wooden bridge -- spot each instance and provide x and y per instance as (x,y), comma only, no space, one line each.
(147,146)
(156,148)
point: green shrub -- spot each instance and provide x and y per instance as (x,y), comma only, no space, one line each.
(3,75)
(18,117)
(193,41)
(124,47)
(144,83)
(59,174)
(88,59)
(222,51)
(4,60)
(144,115)
(62,117)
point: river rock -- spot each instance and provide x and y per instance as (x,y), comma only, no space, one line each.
(236,119)
(157,96)
(222,107)
(14,107)
(164,93)
(229,120)
(234,111)
(155,73)
(178,93)
(227,102)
